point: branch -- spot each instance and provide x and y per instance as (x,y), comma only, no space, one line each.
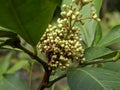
(34,56)
(45,81)
(97,62)
(55,80)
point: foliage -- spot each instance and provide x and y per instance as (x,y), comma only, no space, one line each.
(28,19)
(94,78)
(8,80)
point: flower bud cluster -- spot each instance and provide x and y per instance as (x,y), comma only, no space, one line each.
(62,43)
(82,1)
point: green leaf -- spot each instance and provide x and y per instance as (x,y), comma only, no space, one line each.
(12,82)
(93,79)
(5,63)
(98,35)
(89,28)
(29,18)
(112,37)
(6,33)
(97,52)
(113,66)
(17,66)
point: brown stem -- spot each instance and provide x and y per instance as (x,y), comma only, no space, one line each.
(96,62)
(34,56)
(45,81)
(57,79)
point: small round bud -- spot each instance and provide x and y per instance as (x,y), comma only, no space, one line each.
(73,17)
(94,16)
(69,13)
(60,25)
(77,13)
(86,1)
(63,13)
(98,19)
(64,6)
(59,20)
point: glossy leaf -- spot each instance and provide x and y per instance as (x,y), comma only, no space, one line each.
(12,82)
(97,52)
(5,63)
(112,37)
(93,79)
(29,18)
(17,66)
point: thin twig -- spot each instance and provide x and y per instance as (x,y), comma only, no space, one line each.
(34,56)
(30,75)
(55,80)
(96,62)
(45,81)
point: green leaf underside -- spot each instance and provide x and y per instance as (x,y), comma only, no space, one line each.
(98,35)
(12,82)
(89,28)
(96,52)
(93,79)
(5,63)
(112,37)
(29,18)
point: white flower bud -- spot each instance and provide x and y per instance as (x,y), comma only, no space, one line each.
(77,13)
(95,16)
(63,13)
(45,41)
(49,26)
(45,47)
(86,1)
(73,17)
(73,0)
(98,19)
(51,37)
(61,34)
(62,45)
(59,20)
(67,65)
(63,67)
(69,53)
(60,25)
(69,13)
(60,64)
(64,6)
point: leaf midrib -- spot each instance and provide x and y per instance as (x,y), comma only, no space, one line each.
(94,78)
(19,22)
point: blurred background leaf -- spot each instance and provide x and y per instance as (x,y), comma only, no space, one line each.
(12,82)
(20,64)
(4,64)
